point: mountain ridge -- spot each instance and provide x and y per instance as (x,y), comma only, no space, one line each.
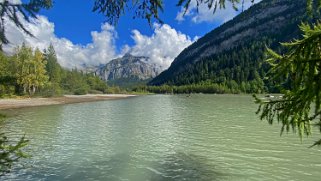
(128,67)
(240,42)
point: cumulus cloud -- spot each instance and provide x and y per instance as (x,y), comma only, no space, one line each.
(162,46)
(206,15)
(70,55)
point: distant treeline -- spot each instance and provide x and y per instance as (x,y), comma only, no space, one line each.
(228,87)
(33,72)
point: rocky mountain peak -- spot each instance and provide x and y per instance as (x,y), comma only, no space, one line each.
(128,67)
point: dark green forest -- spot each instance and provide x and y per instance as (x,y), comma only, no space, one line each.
(241,67)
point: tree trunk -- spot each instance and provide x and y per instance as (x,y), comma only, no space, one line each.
(33,90)
(29,90)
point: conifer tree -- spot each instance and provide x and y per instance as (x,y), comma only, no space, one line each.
(300,68)
(52,67)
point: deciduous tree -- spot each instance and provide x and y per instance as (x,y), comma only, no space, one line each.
(31,72)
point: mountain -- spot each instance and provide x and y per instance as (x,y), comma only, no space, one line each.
(234,52)
(128,69)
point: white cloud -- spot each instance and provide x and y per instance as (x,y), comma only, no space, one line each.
(162,46)
(206,15)
(70,55)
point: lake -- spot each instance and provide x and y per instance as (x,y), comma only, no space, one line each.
(159,137)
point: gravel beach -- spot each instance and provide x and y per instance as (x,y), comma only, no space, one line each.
(66,99)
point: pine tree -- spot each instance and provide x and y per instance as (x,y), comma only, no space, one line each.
(52,67)
(300,68)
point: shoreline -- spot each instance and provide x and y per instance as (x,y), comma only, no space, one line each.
(15,103)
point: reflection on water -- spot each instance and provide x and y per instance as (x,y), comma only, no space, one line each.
(160,137)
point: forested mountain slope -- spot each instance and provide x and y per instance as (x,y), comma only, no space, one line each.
(234,52)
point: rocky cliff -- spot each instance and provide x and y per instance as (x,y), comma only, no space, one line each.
(128,67)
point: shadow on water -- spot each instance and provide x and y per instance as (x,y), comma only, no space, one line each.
(182,166)
(178,166)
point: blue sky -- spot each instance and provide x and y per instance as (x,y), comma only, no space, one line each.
(75,21)
(83,38)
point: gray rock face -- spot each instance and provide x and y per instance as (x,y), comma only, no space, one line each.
(128,67)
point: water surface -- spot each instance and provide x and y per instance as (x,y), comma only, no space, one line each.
(159,137)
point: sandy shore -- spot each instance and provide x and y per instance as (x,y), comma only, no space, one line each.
(67,99)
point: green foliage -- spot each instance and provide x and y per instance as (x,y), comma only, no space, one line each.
(10,153)
(7,79)
(208,87)
(300,69)
(30,69)
(51,90)
(95,83)
(237,66)
(22,60)
(54,72)
(81,90)
(229,53)
(113,90)
(75,82)
(40,74)
(79,83)
(53,68)
(313,5)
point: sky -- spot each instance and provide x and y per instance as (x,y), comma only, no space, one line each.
(84,38)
